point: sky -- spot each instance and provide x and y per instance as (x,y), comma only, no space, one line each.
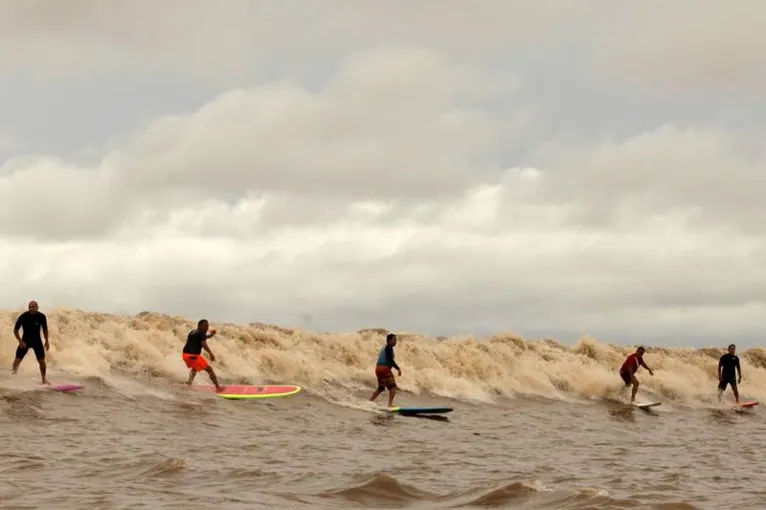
(547,169)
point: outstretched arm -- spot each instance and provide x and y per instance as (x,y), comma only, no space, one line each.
(643,364)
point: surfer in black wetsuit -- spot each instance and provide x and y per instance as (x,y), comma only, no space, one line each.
(31,322)
(728,364)
(192,353)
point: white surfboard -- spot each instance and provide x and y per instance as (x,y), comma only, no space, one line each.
(646,405)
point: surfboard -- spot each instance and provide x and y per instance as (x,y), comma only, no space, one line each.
(66,387)
(646,405)
(747,404)
(421,410)
(236,391)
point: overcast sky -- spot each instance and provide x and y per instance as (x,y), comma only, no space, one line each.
(549,168)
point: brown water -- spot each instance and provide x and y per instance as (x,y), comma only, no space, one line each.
(536,425)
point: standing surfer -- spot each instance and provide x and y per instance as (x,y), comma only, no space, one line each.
(728,367)
(386,380)
(32,321)
(192,353)
(629,369)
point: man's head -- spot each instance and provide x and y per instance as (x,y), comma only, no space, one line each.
(640,351)
(202,326)
(732,348)
(391,339)
(33,307)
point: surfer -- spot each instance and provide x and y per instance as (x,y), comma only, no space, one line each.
(31,322)
(192,353)
(386,380)
(629,369)
(728,366)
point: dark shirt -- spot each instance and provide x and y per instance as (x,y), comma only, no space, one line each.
(727,364)
(194,342)
(31,324)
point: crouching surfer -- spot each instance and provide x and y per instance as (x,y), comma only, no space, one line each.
(192,353)
(629,369)
(383,372)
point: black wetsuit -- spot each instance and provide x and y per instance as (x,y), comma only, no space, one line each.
(31,324)
(729,365)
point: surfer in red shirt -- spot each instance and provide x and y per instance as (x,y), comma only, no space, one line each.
(629,368)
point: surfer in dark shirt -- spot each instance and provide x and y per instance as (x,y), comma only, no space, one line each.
(728,367)
(386,380)
(196,340)
(31,322)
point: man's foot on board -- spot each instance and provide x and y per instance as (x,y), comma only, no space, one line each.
(218,389)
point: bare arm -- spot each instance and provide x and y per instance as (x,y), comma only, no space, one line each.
(207,349)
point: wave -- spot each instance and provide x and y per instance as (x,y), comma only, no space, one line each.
(382,488)
(340,366)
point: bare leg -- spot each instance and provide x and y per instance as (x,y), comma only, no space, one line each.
(720,392)
(213,378)
(736,393)
(16,364)
(43,370)
(376,394)
(192,374)
(635,390)
(391,395)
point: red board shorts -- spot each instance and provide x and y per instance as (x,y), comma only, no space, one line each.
(385,377)
(195,361)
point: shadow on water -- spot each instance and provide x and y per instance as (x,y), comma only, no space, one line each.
(384,420)
(425,416)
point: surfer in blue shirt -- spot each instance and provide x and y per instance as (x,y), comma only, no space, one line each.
(386,380)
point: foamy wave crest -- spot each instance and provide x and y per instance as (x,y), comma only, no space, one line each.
(338,366)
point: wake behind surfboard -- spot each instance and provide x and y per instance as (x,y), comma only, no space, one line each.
(239,392)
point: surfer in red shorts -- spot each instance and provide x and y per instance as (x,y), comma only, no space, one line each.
(629,368)
(192,353)
(386,380)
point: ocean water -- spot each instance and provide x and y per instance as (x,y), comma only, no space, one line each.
(536,425)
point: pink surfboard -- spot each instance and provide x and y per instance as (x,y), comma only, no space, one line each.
(249,391)
(66,387)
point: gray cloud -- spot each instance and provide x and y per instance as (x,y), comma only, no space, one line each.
(403,168)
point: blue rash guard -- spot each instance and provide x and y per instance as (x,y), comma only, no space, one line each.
(386,357)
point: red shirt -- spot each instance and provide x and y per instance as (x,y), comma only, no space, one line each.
(632,362)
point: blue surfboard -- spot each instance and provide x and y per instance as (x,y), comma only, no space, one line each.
(421,410)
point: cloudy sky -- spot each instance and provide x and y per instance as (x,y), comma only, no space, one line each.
(546,168)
